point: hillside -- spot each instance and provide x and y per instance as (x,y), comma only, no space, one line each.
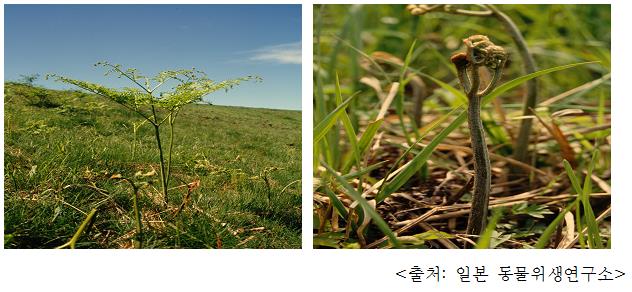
(64,151)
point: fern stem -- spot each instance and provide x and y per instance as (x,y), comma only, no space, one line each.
(163,173)
(482,168)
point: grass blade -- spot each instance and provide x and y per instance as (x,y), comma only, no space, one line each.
(522,79)
(578,189)
(544,239)
(366,56)
(364,143)
(321,129)
(594,239)
(486,238)
(346,121)
(455,91)
(364,170)
(377,219)
(407,61)
(80,230)
(336,202)
(580,226)
(399,102)
(573,178)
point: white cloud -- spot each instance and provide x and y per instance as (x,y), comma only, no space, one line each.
(289,53)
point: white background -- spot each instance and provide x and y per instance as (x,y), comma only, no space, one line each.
(336,270)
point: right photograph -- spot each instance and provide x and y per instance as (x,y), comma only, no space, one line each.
(462,126)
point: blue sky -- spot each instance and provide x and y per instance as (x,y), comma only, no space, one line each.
(225,41)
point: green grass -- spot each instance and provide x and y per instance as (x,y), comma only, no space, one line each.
(61,151)
(377,157)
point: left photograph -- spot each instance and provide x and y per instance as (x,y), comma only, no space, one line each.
(152,126)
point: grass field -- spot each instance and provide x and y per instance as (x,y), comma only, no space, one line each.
(65,149)
(393,163)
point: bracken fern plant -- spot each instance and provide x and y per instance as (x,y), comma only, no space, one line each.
(157,107)
(481,52)
(488,10)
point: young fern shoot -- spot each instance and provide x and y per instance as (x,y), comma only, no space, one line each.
(481,52)
(157,108)
(488,10)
